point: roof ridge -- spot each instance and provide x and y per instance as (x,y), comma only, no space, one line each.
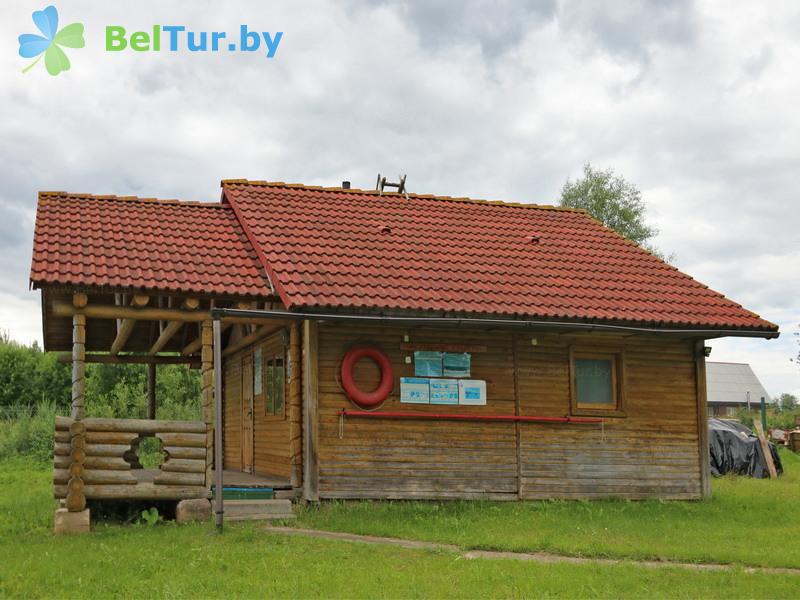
(464,199)
(144,200)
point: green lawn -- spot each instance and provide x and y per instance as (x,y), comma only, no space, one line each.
(747,521)
(191,561)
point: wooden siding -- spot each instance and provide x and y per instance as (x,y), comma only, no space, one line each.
(650,452)
(415,459)
(232,396)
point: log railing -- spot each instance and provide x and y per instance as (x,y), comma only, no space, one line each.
(97,458)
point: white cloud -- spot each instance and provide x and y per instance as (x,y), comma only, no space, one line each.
(693,102)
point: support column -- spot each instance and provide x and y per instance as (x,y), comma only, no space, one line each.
(78,357)
(295,404)
(151,391)
(310,412)
(207,394)
(74,517)
(702,418)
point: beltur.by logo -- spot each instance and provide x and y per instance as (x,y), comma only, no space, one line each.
(50,42)
(178,38)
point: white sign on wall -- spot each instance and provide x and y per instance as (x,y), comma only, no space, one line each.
(444,391)
(414,390)
(472,392)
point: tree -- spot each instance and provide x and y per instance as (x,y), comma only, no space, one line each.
(786,402)
(614,202)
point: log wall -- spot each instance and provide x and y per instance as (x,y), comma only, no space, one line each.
(104,464)
(652,451)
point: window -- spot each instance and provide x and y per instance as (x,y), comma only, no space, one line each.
(596,383)
(274,385)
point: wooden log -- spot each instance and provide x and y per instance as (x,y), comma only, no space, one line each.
(110,463)
(75,470)
(97,476)
(184,452)
(61,461)
(75,502)
(168,478)
(77,428)
(62,436)
(144,491)
(762,440)
(111,437)
(138,426)
(62,449)
(184,465)
(117,450)
(192,440)
(169,331)
(78,364)
(77,455)
(62,309)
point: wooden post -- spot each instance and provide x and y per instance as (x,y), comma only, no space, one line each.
(310,411)
(78,357)
(702,418)
(151,391)
(207,370)
(295,404)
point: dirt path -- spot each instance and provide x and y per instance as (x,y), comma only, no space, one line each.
(542,557)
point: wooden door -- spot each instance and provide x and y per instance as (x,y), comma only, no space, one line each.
(247,413)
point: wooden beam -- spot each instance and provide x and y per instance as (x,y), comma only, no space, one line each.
(151,391)
(207,395)
(125,327)
(259,333)
(762,440)
(62,309)
(194,345)
(702,418)
(137,359)
(166,335)
(310,412)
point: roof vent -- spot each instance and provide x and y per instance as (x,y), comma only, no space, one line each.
(533,239)
(345,185)
(385,229)
(383,183)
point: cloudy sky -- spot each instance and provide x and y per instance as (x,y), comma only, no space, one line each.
(695,103)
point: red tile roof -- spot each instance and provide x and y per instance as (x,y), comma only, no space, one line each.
(328,247)
(143,243)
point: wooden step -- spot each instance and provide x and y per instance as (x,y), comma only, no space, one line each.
(257,510)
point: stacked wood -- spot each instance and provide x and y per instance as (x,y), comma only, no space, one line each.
(96,458)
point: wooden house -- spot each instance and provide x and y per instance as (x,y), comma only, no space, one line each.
(382,345)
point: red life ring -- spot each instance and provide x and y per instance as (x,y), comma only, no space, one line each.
(358,396)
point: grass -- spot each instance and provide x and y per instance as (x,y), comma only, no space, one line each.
(191,561)
(747,521)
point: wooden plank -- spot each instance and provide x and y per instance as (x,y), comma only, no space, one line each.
(310,411)
(117,450)
(471,348)
(762,439)
(97,476)
(250,339)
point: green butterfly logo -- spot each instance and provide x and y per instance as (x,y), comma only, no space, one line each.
(50,41)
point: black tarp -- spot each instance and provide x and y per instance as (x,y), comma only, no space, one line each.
(736,449)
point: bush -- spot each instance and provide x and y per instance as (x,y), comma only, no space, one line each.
(29,435)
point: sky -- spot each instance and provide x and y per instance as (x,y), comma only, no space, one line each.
(696,103)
